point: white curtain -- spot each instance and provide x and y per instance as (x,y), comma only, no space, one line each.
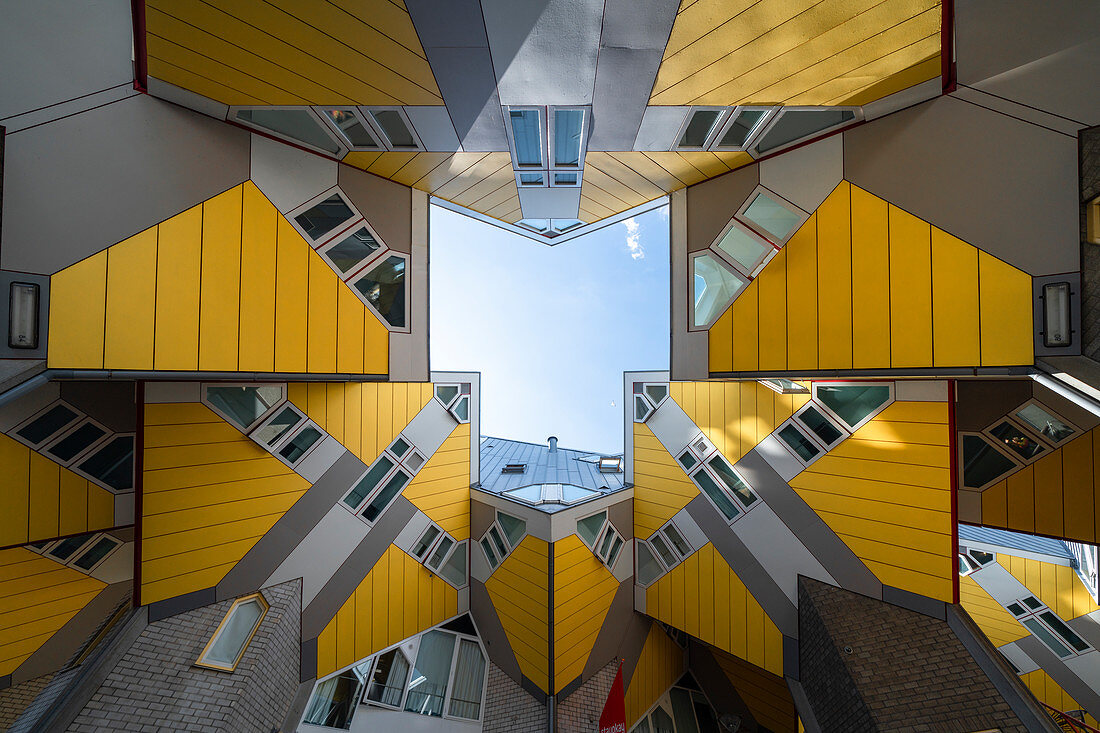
(428,685)
(333,702)
(469,681)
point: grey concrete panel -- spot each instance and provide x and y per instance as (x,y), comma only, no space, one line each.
(915,602)
(1088,628)
(980,402)
(905,98)
(289,176)
(308,671)
(409,355)
(688,349)
(970,505)
(716,685)
(434,128)
(89,50)
(67,109)
(609,639)
(831,551)
(805,176)
(42,314)
(741,560)
(534,690)
(624,78)
(278,542)
(111,403)
(89,181)
(347,578)
(633,642)
(66,641)
(126,534)
(659,127)
(297,709)
(492,631)
(790,657)
(1019,111)
(1074,686)
(622,516)
(14,372)
(186,98)
(711,204)
(550,203)
(802,706)
(481,516)
(996,668)
(320,458)
(1000,184)
(387,206)
(544,52)
(1019,659)
(180,604)
(1068,409)
(1033,53)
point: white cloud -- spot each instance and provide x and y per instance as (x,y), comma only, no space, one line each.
(633,242)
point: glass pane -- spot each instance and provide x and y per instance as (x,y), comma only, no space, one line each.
(538,225)
(383,498)
(566,179)
(641,408)
(677,540)
(732,481)
(589,527)
(235,632)
(243,405)
(399,447)
(368,482)
(704,713)
(567,136)
(113,464)
(67,547)
(982,462)
(532,179)
(498,541)
(333,702)
(641,727)
(462,408)
(356,134)
(1044,423)
(795,124)
(738,132)
(1016,609)
(384,288)
(715,493)
(297,446)
(276,428)
(469,681)
(683,711)
(441,551)
(799,443)
(43,427)
(565,225)
(656,392)
(525,134)
(99,551)
(1064,631)
(571,493)
(446,393)
(772,217)
(715,287)
(1046,637)
(491,556)
(1032,602)
(853,403)
(821,427)
(982,558)
(75,442)
(352,249)
(1017,440)
(322,218)
(428,685)
(425,541)
(662,549)
(298,124)
(662,721)
(616,546)
(698,129)
(687,460)
(530,494)
(513,527)
(393,125)
(746,249)
(605,543)
(387,683)
(648,567)
(454,570)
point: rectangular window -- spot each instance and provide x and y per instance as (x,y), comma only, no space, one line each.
(227,645)
(383,498)
(490,555)
(533,179)
(112,465)
(716,495)
(347,253)
(742,247)
(396,127)
(526,137)
(454,570)
(351,128)
(794,125)
(430,674)
(662,548)
(325,217)
(1016,440)
(301,126)
(274,429)
(46,424)
(853,404)
(96,553)
(799,444)
(243,405)
(649,569)
(368,482)
(297,446)
(420,549)
(383,287)
(334,700)
(388,679)
(73,444)
(672,534)
(812,419)
(567,179)
(696,133)
(469,675)
(732,480)
(1047,424)
(743,126)
(771,215)
(1061,629)
(1044,635)
(982,464)
(568,130)
(440,553)
(66,548)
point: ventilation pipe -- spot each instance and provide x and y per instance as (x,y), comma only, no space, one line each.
(553,444)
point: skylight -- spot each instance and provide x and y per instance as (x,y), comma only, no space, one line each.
(536,494)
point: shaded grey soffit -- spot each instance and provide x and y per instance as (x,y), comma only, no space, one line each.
(559,239)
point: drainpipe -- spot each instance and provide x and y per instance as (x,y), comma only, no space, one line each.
(553,444)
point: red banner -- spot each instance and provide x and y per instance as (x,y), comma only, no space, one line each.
(613,717)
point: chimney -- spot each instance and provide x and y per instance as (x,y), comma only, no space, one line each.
(553,444)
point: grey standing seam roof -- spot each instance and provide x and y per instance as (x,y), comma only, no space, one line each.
(563,466)
(1014,540)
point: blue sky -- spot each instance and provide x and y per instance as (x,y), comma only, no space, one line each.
(551,329)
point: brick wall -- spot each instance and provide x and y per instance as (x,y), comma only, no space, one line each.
(14,700)
(1090,253)
(867,665)
(156,684)
(509,708)
(580,712)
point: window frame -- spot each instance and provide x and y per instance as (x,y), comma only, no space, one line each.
(568,171)
(806,433)
(712,133)
(1034,614)
(84,452)
(289,435)
(338,238)
(639,391)
(231,116)
(702,465)
(400,707)
(663,531)
(550,164)
(769,383)
(527,172)
(204,386)
(398,465)
(1046,448)
(816,385)
(657,558)
(1004,452)
(407,284)
(88,546)
(771,249)
(75,467)
(754,133)
(14,432)
(265,607)
(829,417)
(368,111)
(544,158)
(80,549)
(754,149)
(692,256)
(292,217)
(1014,416)
(322,112)
(603,530)
(788,205)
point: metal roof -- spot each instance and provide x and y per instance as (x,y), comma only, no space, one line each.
(563,466)
(1014,541)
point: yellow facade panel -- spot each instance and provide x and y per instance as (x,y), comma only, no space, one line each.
(955,340)
(219,302)
(801,306)
(834,279)
(78,303)
(661,488)
(179,272)
(520,596)
(659,665)
(583,591)
(1006,315)
(257,314)
(910,290)
(773,314)
(131,298)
